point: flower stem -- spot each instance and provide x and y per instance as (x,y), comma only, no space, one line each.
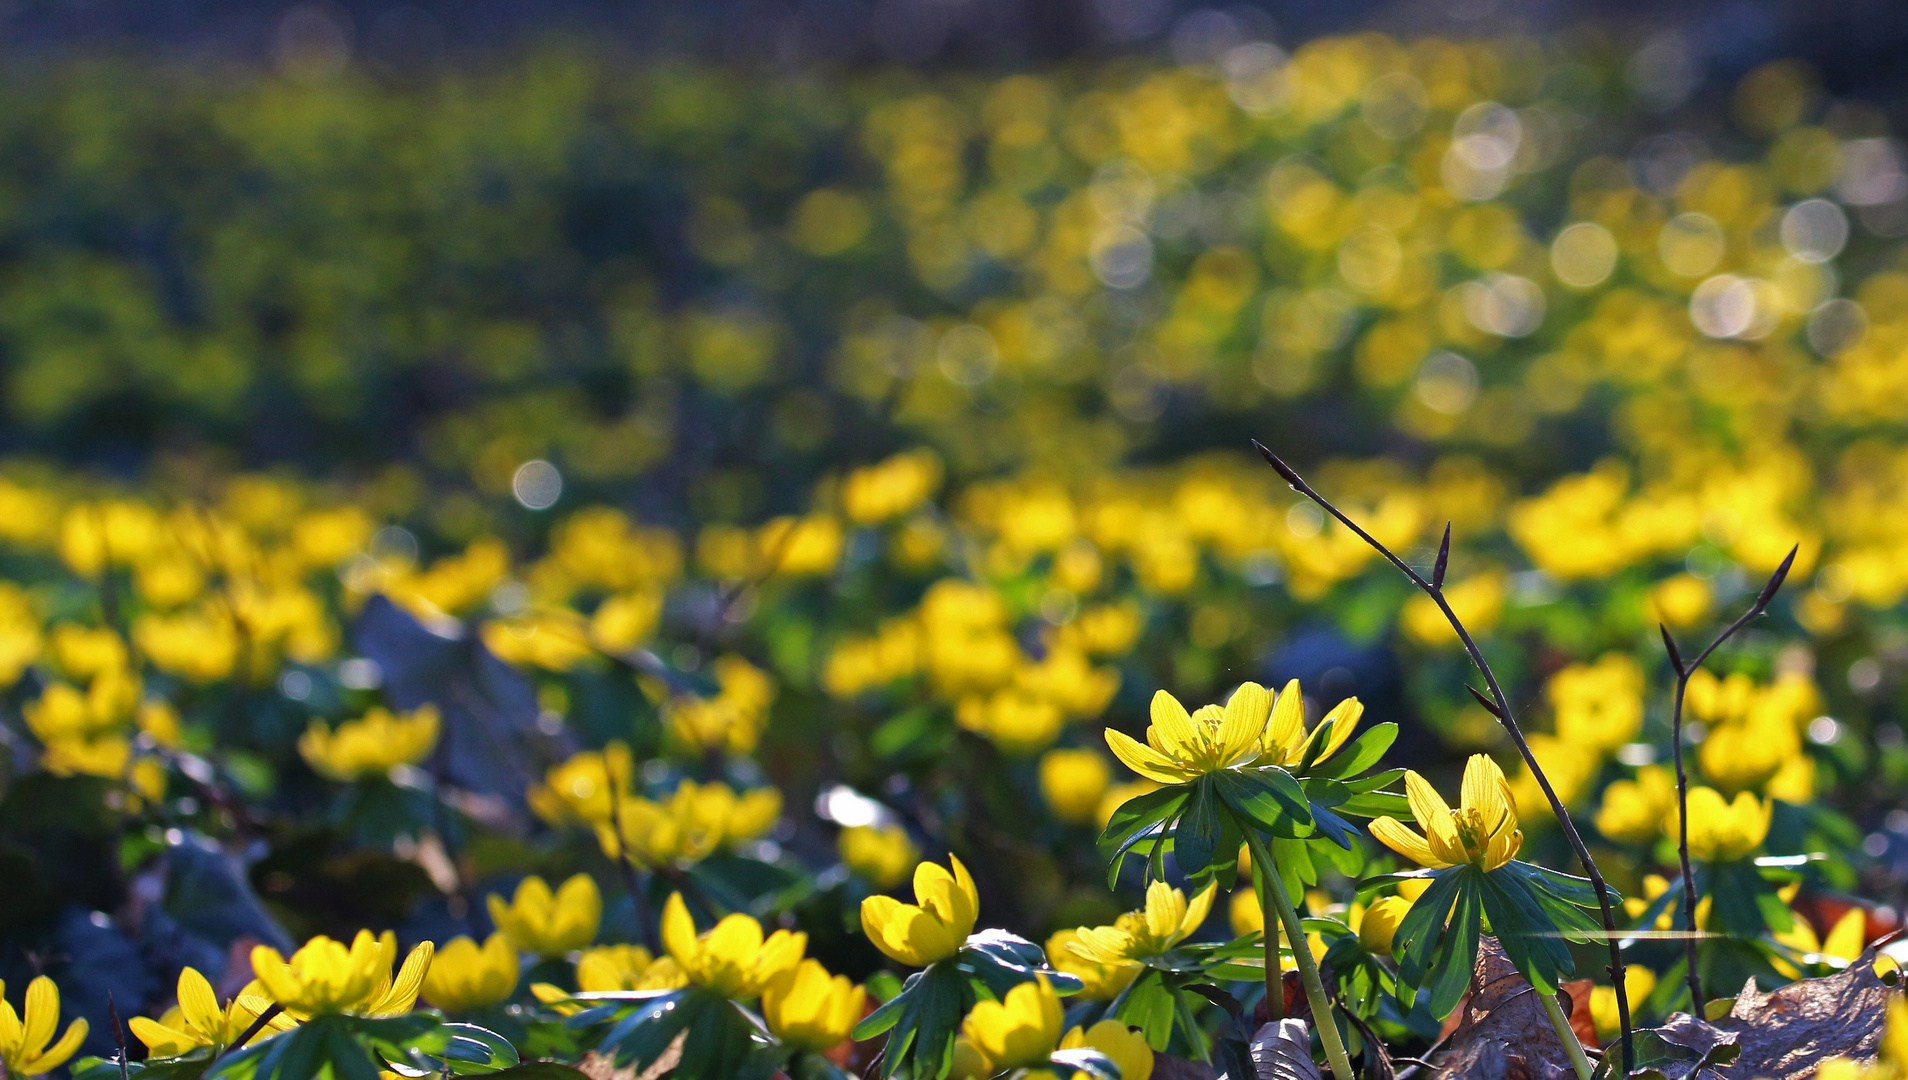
(1274,967)
(1274,889)
(1566,1035)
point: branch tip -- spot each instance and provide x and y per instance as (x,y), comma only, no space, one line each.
(1675,654)
(1444,559)
(1489,705)
(1776,579)
(1272,459)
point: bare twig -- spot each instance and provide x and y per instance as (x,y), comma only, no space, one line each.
(1499,706)
(258,1025)
(1683,673)
(119,1035)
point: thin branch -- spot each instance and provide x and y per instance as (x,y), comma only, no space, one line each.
(1683,673)
(1499,705)
(119,1035)
(258,1025)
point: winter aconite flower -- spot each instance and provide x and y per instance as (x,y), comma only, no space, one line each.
(465,976)
(808,1009)
(1285,740)
(1380,923)
(23,1044)
(1167,919)
(1102,982)
(326,977)
(549,924)
(732,959)
(1126,1047)
(1482,830)
(627,967)
(1180,748)
(934,926)
(882,854)
(1023,1028)
(1721,830)
(199,1021)
(370,746)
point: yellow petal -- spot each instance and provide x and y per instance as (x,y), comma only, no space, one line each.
(679,930)
(1395,836)
(1483,791)
(1845,938)
(1145,760)
(1243,724)
(1343,719)
(1196,911)
(1287,723)
(56,1055)
(199,1005)
(1174,727)
(160,1039)
(42,1014)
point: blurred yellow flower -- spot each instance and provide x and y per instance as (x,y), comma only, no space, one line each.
(465,976)
(372,745)
(881,854)
(549,924)
(1072,782)
(1721,830)
(1599,706)
(1380,922)
(733,959)
(934,926)
(627,967)
(1633,810)
(1638,981)
(1680,601)
(578,789)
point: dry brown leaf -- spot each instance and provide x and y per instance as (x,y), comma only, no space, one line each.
(1786,1033)
(1503,1032)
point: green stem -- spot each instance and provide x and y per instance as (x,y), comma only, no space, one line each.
(1566,1035)
(1322,1018)
(1274,967)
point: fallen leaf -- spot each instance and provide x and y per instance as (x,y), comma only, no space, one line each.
(1785,1034)
(1283,1051)
(1502,1032)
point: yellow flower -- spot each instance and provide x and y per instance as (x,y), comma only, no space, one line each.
(1638,981)
(326,977)
(537,921)
(626,967)
(934,926)
(1599,706)
(578,790)
(1103,981)
(1166,920)
(464,976)
(1483,830)
(694,821)
(1072,782)
(732,959)
(807,1009)
(1245,914)
(1844,942)
(83,652)
(1720,831)
(1285,740)
(883,854)
(1180,748)
(1021,1029)
(1380,922)
(969,1063)
(23,1046)
(370,746)
(1679,601)
(1633,810)
(1126,1047)
(198,1020)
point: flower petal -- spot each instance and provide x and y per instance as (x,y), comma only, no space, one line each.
(1145,760)
(199,1006)
(1174,727)
(1395,836)
(679,931)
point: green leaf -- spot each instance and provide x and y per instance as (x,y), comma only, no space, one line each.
(1423,929)
(1148,1005)
(1358,755)
(1196,838)
(1531,941)
(1451,974)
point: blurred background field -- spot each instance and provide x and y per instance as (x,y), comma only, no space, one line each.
(848,404)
